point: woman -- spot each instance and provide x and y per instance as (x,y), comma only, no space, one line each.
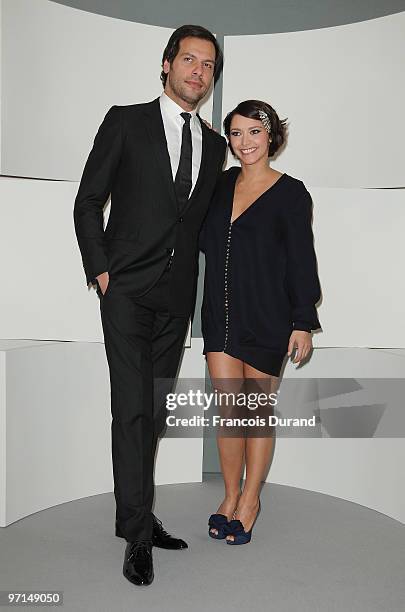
(260,290)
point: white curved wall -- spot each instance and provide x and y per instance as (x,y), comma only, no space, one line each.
(343,92)
(62,69)
(359,251)
(55,431)
(55,426)
(366,471)
(358,238)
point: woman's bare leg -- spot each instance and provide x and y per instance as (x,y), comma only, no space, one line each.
(226,374)
(259,451)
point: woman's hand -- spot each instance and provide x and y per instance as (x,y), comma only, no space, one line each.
(303,341)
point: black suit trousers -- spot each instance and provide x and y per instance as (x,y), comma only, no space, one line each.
(143,344)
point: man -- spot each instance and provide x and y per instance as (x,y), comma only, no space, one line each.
(160,163)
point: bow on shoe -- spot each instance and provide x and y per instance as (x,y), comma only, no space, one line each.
(217,520)
(234,527)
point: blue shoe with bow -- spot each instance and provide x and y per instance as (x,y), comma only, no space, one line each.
(218,522)
(236,529)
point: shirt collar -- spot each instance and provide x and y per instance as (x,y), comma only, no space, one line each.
(172,109)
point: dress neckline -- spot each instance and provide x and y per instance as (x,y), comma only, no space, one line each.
(254,201)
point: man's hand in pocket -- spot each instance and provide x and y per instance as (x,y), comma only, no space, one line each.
(103,280)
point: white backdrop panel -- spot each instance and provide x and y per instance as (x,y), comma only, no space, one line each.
(343,92)
(360,250)
(366,471)
(350,363)
(363,471)
(45,424)
(44,293)
(1,63)
(62,69)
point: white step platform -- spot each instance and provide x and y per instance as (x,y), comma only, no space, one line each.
(367,471)
(55,426)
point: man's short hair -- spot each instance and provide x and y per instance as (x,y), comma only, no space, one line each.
(196,31)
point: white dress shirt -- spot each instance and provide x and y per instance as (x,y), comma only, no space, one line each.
(173,125)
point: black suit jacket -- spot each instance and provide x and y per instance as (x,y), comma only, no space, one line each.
(130,161)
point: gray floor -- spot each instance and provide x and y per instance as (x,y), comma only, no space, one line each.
(308,552)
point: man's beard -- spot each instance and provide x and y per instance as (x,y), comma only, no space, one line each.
(189,97)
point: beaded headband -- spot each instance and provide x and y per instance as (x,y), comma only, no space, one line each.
(265,120)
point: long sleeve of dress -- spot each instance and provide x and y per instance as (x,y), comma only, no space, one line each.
(94,190)
(302,277)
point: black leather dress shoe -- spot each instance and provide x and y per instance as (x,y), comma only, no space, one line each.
(138,562)
(162,539)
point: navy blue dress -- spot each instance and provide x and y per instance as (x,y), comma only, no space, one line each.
(261,279)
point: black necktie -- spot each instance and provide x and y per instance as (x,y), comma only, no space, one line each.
(183,180)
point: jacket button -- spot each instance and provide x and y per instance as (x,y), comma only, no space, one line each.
(180,219)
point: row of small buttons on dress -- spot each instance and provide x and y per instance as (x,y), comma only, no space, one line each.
(228,245)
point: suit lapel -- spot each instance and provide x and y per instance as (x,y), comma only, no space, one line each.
(154,126)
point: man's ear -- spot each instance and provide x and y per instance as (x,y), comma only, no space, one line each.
(166,66)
